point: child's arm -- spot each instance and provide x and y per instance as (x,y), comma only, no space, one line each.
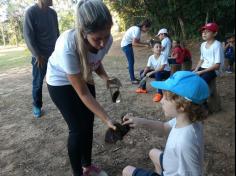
(146,70)
(162,128)
(198,65)
(174,55)
(226,45)
(137,42)
(212,68)
(161,68)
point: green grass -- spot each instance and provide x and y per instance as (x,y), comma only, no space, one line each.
(14,58)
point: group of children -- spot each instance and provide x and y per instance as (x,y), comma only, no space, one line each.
(167,58)
(182,97)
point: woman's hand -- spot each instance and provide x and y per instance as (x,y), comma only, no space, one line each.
(132,121)
(113,82)
(110,124)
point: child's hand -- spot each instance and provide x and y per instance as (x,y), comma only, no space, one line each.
(132,121)
(149,74)
(199,72)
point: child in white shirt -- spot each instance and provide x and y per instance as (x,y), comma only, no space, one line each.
(165,42)
(212,53)
(184,93)
(157,67)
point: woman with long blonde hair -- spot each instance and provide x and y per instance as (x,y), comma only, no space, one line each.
(79,52)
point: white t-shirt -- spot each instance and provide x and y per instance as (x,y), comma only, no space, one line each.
(166,44)
(133,32)
(64,59)
(212,55)
(154,62)
(183,155)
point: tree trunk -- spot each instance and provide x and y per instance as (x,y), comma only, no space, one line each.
(181,23)
(207,18)
(3,35)
(16,36)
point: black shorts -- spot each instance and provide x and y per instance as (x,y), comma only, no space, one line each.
(172,61)
(142,172)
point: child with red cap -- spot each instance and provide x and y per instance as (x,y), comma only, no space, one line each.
(212,53)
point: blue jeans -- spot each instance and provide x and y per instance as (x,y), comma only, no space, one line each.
(129,53)
(37,83)
(159,76)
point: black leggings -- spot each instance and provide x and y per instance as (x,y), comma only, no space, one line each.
(80,123)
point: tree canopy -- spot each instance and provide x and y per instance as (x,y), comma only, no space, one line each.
(182,18)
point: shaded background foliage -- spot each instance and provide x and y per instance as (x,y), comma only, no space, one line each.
(182,18)
(12,16)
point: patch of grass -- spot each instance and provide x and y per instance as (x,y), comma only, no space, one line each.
(14,58)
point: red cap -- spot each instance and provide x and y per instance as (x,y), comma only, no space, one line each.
(211,27)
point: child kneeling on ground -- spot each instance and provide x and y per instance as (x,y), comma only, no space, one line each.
(184,93)
(157,67)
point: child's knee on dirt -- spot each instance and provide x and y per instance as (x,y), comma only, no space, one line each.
(128,171)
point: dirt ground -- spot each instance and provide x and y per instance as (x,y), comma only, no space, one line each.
(37,147)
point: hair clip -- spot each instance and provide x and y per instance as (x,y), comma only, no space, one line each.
(187,99)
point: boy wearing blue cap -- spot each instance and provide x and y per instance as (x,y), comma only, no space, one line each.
(184,93)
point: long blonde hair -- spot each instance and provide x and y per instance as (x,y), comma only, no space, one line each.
(91,16)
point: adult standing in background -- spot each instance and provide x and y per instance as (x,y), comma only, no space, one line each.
(130,39)
(40,33)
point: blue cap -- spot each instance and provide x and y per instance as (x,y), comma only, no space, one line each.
(185,84)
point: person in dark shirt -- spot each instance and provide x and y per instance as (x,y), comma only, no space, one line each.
(229,52)
(40,33)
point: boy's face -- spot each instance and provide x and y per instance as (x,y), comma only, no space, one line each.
(169,107)
(231,40)
(161,36)
(157,48)
(174,44)
(208,35)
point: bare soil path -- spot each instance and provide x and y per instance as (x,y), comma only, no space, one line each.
(37,147)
